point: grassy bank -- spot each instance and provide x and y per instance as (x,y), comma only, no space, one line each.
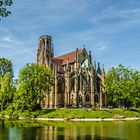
(65,124)
(74,113)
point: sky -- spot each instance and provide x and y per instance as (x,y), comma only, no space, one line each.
(109,28)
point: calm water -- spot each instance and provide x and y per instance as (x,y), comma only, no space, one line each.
(43,130)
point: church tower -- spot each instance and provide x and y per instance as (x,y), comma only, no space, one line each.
(45,51)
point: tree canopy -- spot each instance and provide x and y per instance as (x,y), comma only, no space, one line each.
(6,90)
(34,82)
(6,82)
(6,66)
(122,85)
(4,4)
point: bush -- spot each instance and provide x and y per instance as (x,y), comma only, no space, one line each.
(117,116)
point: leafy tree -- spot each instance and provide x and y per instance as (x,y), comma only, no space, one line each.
(123,86)
(33,83)
(6,82)
(5,66)
(4,4)
(6,90)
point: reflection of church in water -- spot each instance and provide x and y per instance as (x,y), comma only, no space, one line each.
(78,83)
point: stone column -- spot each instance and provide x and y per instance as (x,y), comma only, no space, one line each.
(76,91)
(84,100)
(81,86)
(67,90)
(92,91)
(67,85)
(56,89)
(101,100)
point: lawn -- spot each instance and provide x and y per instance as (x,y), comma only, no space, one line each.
(74,113)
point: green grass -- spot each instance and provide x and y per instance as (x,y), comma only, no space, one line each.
(82,113)
(73,113)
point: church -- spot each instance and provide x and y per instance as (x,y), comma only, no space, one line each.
(78,82)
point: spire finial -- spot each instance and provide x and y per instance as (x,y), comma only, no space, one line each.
(103,70)
(90,58)
(94,64)
(103,66)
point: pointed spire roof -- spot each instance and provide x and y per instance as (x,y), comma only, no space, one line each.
(99,69)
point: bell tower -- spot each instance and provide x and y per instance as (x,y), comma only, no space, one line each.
(45,50)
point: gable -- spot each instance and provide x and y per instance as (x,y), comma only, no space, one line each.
(85,63)
(83,56)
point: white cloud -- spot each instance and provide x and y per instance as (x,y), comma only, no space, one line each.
(118,17)
(11,46)
(7,39)
(101,46)
(17,50)
(6,42)
(50,11)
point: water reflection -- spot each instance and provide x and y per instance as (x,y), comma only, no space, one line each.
(28,130)
(56,133)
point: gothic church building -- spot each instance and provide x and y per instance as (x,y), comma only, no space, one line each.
(78,83)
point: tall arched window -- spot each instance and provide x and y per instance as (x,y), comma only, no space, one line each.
(87,98)
(59,86)
(72,84)
(96,98)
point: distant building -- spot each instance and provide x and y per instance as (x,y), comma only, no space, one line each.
(77,81)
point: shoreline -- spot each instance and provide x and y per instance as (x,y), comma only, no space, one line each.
(73,119)
(88,119)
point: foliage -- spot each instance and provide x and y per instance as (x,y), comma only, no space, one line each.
(34,82)
(4,4)
(122,85)
(6,90)
(5,66)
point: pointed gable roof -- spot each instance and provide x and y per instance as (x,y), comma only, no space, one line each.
(71,56)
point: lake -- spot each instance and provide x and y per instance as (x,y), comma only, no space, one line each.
(47,130)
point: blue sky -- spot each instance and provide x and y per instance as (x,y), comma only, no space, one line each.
(109,28)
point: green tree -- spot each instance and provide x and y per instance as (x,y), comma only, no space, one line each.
(6,82)
(4,4)
(135,89)
(122,85)
(6,90)
(5,66)
(34,82)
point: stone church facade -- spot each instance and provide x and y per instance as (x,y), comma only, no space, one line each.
(78,83)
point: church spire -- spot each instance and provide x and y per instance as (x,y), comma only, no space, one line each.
(94,65)
(99,69)
(103,71)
